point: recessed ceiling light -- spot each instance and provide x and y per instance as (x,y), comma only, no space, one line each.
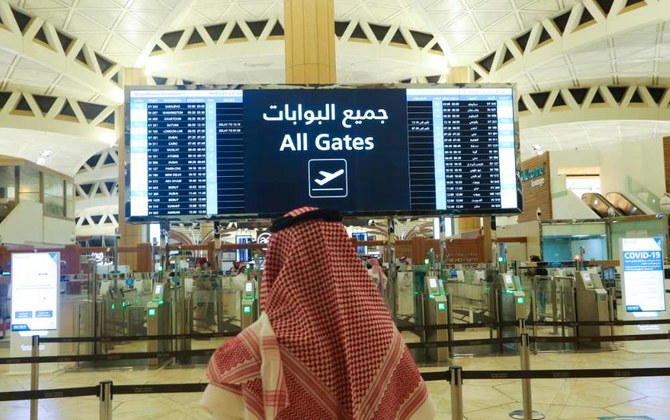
(46,153)
(41,161)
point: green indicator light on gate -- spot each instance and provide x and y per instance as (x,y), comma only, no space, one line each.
(113,306)
(519,300)
(441,306)
(247,309)
(151,312)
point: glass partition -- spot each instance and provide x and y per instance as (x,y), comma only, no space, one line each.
(636,229)
(69,199)
(29,184)
(7,190)
(54,196)
(562,242)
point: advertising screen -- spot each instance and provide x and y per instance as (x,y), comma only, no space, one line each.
(35,278)
(261,152)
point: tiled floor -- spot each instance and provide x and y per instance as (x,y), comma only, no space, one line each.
(483,399)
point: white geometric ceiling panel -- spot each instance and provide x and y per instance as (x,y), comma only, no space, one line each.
(217,11)
(22,73)
(98,22)
(640,56)
(67,152)
(590,135)
(72,89)
(489,22)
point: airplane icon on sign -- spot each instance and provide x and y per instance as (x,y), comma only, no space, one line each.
(327,176)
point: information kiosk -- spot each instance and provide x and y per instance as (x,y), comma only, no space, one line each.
(158,321)
(436,313)
(249,306)
(592,305)
(513,306)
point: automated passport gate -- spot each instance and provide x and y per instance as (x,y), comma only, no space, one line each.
(158,321)
(592,305)
(436,313)
(513,306)
(249,307)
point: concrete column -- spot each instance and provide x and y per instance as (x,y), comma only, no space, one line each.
(309,38)
(131,234)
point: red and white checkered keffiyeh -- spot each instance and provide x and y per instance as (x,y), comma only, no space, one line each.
(325,346)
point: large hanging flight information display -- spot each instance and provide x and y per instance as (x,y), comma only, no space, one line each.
(260,152)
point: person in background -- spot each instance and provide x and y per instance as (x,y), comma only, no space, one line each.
(376,271)
(238,268)
(541,287)
(324,346)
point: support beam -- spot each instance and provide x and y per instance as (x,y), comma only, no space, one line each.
(594,103)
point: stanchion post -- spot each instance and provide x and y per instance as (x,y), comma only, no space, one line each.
(105,396)
(525,382)
(554,304)
(611,295)
(527,412)
(34,375)
(456,381)
(450,321)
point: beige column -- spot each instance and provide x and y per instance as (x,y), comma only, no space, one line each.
(459,75)
(309,39)
(131,234)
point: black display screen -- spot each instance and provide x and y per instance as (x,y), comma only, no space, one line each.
(194,153)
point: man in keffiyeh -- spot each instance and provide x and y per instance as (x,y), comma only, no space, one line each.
(325,346)
(378,275)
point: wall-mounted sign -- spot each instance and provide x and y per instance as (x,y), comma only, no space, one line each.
(262,152)
(642,260)
(263,238)
(535,177)
(35,279)
(528,174)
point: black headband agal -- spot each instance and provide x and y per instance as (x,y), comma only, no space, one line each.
(284,222)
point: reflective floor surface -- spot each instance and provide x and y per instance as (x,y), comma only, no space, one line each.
(483,399)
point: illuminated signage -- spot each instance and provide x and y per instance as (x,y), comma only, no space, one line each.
(35,289)
(264,151)
(643,284)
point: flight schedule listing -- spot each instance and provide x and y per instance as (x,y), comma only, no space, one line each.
(473,147)
(176,161)
(244,152)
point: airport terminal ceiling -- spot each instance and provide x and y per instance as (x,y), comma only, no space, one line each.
(589,72)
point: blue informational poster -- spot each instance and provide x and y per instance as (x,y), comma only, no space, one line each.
(35,289)
(642,260)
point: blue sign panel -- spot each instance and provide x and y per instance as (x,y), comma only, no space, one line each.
(644,289)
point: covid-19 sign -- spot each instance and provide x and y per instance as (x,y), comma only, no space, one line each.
(643,281)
